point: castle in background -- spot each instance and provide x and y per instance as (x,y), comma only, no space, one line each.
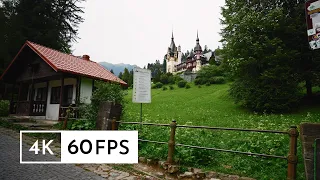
(194,61)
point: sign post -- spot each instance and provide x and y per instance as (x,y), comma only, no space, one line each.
(312,8)
(141,88)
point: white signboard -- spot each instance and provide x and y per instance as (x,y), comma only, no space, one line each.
(312,8)
(141,86)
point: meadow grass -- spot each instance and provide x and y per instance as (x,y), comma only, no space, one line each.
(211,106)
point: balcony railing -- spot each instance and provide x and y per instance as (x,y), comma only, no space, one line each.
(38,108)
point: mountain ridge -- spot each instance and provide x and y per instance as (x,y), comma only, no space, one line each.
(117,68)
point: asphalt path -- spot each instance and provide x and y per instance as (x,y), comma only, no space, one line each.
(11,169)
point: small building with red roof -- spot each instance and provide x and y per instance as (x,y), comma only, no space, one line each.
(45,81)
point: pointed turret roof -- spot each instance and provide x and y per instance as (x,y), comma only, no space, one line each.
(172,45)
(197,47)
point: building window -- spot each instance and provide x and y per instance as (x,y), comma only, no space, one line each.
(41,94)
(67,94)
(55,95)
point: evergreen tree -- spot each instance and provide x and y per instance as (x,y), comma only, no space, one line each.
(263,47)
(130,82)
(120,75)
(126,75)
(111,71)
(52,23)
(164,65)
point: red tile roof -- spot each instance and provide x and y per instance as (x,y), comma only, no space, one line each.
(71,64)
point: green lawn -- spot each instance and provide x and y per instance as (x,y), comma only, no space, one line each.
(211,106)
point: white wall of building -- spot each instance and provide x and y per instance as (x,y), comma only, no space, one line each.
(86,90)
(53,109)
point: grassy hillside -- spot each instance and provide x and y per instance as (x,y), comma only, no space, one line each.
(211,106)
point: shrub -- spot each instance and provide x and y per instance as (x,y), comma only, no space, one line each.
(188,86)
(212,80)
(182,83)
(210,71)
(177,78)
(199,86)
(104,92)
(261,96)
(208,84)
(158,85)
(83,125)
(164,88)
(171,87)
(219,80)
(212,74)
(204,81)
(197,81)
(4,108)
(164,78)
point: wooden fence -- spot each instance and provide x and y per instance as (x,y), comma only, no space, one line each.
(291,158)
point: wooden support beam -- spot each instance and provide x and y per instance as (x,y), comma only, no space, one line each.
(61,95)
(19,93)
(46,98)
(5,91)
(78,90)
(92,86)
(13,91)
(31,97)
(47,90)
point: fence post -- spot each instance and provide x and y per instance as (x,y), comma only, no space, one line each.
(292,157)
(171,142)
(65,122)
(113,124)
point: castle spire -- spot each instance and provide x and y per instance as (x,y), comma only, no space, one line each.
(172,45)
(197,36)
(197,47)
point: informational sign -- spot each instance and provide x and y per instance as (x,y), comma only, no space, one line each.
(141,86)
(81,147)
(312,8)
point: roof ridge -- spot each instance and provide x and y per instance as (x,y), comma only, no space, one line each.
(57,50)
(100,72)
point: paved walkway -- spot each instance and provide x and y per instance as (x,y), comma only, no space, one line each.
(10,167)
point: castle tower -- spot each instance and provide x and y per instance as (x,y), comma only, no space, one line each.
(198,52)
(173,56)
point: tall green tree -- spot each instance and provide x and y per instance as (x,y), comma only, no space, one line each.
(120,75)
(52,23)
(157,70)
(126,75)
(264,46)
(130,81)
(164,65)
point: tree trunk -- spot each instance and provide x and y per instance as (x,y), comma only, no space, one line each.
(309,88)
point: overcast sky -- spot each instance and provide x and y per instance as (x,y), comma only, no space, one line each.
(139,31)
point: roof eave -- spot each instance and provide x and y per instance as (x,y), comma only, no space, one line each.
(92,77)
(14,59)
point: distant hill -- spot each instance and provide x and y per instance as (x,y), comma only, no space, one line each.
(117,68)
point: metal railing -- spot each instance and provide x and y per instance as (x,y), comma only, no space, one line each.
(292,132)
